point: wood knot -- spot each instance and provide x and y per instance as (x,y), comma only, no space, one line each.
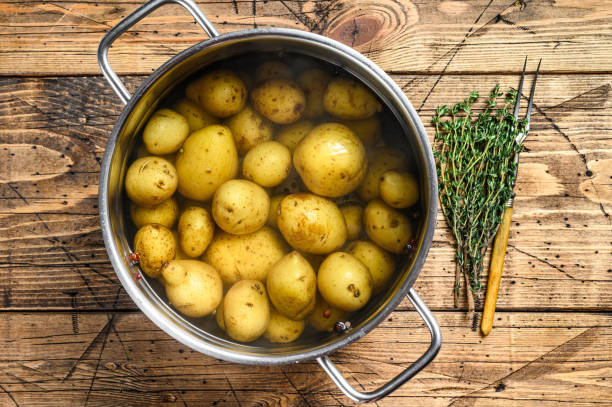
(356,31)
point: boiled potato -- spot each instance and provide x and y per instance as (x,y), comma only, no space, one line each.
(195,115)
(399,189)
(368,130)
(246,311)
(350,100)
(240,206)
(150,180)
(387,227)
(311,223)
(165,213)
(180,254)
(353,213)
(219,316)
(156,246)
(221,93)
(273,214)
(324,316)
(165,132)
(249,129)
(314,82)
(344,282)
(292,285)
(240,257)
(267,164)
(290,135)
(380,160)
(208,159)
(331,160)
(272,70)
(193,287)
(282,329)
(379,262)
(280,100)
(196,230)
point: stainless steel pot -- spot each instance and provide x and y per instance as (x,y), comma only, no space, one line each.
(140,106)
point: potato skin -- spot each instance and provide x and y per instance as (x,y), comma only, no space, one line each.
(344,282)
(245,257)
(292,285)
(246,311)
(368,130)
(399,189)
(240,206)
(165,213)
(156,246)
(282,329)
(314,82)
(311,223)
(331,160)
(197,117)
(280,100)
(290,135)
(379,262)
(219,316)
(272,70)
(221,93)
(165,132)
(267,164)
(387,227)
(273,214)
(347,99)
(380,160)
(353,214)
(196,229)
(318,320)
(192,287)
(208,159)
(249,128)
(150,180)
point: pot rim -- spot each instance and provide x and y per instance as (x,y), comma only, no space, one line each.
(163,319)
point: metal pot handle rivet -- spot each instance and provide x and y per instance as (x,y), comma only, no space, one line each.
(127,23)
(397,381)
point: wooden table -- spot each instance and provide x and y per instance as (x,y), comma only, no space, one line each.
(71,336)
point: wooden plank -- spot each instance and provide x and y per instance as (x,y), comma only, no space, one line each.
(62,358)
(419,36)
(52,255)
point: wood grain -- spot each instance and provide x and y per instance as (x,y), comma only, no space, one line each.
(61,37)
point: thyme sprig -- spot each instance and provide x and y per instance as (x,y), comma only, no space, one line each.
(476,172)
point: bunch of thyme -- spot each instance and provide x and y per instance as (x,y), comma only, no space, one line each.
(476,172)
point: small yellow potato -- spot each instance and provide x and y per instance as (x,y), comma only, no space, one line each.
(245,257)
(246,311)
(379,262)
(180,254)
(156,246)
(387,227)
(208,159)
(193,287)
(150,180)
(282,329)
(344,282)
(165,132)
(331,160)
(353,213)
(221,93)
(240,206)
(292,285)
(311,224)
(195,115)
(272,70)
(193,90)
(280,100)
(273,214)
(165,213)
(196,229)
(314,82)
(219,316)
(324,316)
(290,135)
(347,99)
(380,160)
(249,128)
(267,164)
(399,189)
(368,130)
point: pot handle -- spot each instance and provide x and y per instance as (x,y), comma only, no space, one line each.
(127,23)
(397,381)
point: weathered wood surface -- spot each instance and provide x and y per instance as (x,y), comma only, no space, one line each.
(108,359)
(54,131)
(61,37)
